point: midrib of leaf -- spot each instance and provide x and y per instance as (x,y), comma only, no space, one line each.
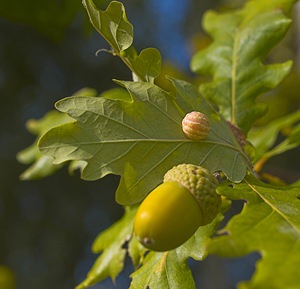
(158,267)
(233,77)
(234,162)
(162,265)
(156,140)
(274,208)
(98,16)
(166,270)
(149,139)
(115,33)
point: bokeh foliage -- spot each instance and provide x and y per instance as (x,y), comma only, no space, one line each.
(37,72)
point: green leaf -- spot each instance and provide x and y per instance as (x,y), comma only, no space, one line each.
(269,224)
(147,64)
(112,24)
(40,165)
(163,270)
(136,252)
(115,28)
(254,7)
(170,269)
(263,138)
(141,139)
(241,41)
(294,137)
(110,244)
(291,142)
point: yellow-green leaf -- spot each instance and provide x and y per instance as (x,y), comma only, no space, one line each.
(269,224)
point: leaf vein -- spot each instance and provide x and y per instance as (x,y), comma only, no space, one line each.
(274,208)
(157,164)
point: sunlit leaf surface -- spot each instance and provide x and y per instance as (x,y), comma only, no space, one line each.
(141,139)
(269,224)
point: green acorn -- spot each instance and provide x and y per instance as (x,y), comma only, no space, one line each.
(174,210)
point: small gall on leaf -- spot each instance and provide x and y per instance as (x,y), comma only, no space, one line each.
(196,125)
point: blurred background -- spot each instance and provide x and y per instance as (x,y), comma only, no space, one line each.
(47,52)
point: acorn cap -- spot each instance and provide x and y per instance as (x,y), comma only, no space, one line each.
(201,184)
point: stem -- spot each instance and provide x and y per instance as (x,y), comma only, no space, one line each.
(280,148)
(259,164)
